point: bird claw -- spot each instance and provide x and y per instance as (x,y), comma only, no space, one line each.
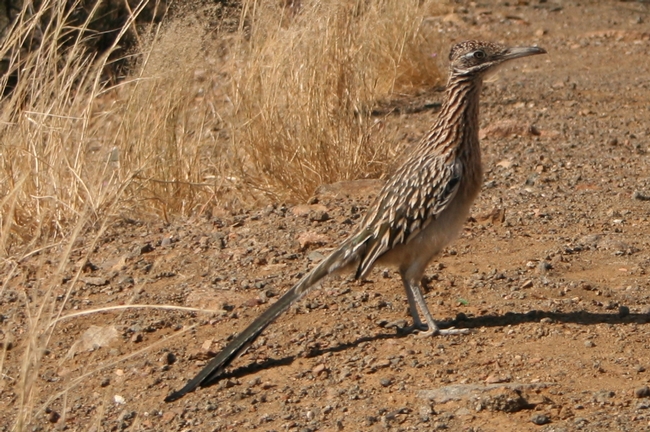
(454,331)
(425,332)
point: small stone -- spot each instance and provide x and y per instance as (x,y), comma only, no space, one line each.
(385,382)
(105,382)
(319,216)
(398,324)
(623,311)
(136,338)
(206,345)
(425,412)
(540,419)
(589,344)
(53,417)
(318,369)
(126,280)
(496,379)
(310,238)
(253,302)
(95,281)
(380,364)
(168,358)
(119,400)
(642,392)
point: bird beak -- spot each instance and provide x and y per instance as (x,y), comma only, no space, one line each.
(516,52)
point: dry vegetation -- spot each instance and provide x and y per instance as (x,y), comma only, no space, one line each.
(269,108)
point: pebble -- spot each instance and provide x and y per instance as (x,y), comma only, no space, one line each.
(623,311)
(385,382)
(589,344)
(637,195)
(540,419)
(53,416)
(95,281)
(642,392)
(319,216)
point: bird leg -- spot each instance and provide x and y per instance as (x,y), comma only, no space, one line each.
(416,300)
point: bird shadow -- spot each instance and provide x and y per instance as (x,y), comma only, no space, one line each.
(461,321)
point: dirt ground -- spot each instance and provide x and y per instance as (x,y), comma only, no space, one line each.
(549,275)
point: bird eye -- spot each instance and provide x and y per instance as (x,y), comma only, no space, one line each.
(479,54)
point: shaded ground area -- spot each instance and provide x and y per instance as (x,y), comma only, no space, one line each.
(550,275)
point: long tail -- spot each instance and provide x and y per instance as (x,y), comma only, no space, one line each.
(337,259)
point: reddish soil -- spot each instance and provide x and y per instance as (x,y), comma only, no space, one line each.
(549,275)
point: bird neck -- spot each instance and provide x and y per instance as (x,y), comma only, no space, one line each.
(460,110)
(454,135)
(455,131)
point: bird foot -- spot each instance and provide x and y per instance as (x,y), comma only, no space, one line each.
(440,332)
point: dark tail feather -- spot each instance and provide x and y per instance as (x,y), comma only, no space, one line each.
(238,345)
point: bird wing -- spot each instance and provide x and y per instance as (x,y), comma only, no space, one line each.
(420,190)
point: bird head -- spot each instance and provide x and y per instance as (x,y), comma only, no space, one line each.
(475,58)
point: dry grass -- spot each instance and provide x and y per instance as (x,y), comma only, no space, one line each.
(273,109)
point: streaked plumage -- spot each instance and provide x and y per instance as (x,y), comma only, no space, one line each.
(417,213)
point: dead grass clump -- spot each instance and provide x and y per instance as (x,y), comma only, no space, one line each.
(304,83)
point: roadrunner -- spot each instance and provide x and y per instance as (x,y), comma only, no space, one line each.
(416,214)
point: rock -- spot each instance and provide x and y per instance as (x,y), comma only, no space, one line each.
(642,392)
(95,281)
(319,216)
(315,256)
(638,195)
(310,238)
(146,248)
(589,344)
(504,400)
(398,324)
(93,338)
(623,311)
(540,419)
(495,379)
(465,391)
